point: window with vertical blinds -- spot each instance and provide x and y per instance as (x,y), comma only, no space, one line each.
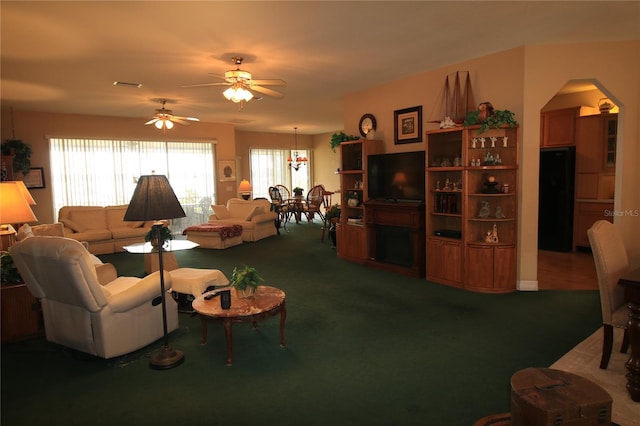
(93,172)
(269,167)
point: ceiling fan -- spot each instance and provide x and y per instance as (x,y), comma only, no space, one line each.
(164,118)
(242,85)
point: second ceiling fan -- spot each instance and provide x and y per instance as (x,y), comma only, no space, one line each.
(164,118)
(242,85)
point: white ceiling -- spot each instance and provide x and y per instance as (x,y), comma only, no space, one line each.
(64,56)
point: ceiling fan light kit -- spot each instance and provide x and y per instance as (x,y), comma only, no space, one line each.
(242,85)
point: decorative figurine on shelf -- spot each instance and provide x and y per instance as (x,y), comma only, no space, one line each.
(447,123)
(504,141)
(437,185)
(492,235)
(473,142)
(493,141)
(485,111)
(447,185)
(482,141)
(491,185)
(499,213)
(484,210)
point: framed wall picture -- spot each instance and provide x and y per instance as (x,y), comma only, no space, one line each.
(33,180)
(227,170)
(408,125)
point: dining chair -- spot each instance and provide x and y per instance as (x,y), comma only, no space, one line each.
(280,200)
(610,257)
(314,203)
(326,205)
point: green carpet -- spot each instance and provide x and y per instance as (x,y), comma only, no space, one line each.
(364,346)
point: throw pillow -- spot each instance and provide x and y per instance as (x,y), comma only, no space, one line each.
(221,212)
(256,211)
(76,227)
(48,229)
(24,232)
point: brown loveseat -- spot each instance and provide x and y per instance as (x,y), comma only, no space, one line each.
(103,228)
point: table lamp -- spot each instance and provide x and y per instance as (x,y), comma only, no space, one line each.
(245,189)
(13,209)
(154,199)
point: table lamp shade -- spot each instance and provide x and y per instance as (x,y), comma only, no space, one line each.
(244,186)
(25,193)
(153,199)
(14,208)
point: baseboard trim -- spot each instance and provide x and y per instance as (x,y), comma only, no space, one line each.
(528,285)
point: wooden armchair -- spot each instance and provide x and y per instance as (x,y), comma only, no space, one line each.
(280,200)
(314,203)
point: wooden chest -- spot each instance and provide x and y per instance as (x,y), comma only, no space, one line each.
(547,397)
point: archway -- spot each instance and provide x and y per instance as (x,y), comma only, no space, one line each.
(578,145)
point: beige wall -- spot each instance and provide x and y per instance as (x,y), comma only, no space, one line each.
(524,80)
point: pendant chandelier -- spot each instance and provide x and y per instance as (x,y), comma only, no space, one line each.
(296,162)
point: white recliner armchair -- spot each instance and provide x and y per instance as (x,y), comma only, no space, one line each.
(106,320)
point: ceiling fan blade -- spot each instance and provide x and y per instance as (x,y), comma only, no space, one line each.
(153,120)
(179,121)
(267,92)
(177,117)
(274,82)
(218,76)
(206,84)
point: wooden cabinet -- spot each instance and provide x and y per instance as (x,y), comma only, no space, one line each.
(351,236)
(350,242)
(21,315)
(596,139)
(586,214)
(472,209)
(444,261)
(558,127)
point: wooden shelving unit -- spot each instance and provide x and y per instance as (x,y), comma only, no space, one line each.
(472,217)
(351,235)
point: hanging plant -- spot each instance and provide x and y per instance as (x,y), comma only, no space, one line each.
(21,152)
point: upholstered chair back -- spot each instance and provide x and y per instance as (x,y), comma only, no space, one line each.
(60,269)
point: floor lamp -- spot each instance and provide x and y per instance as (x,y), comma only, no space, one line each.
(154,199)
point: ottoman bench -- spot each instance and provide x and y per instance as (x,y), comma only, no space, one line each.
(214,236)
(189,283)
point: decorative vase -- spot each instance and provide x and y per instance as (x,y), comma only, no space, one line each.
(246,292)
(352,202)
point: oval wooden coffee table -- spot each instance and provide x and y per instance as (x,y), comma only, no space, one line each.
(266,302)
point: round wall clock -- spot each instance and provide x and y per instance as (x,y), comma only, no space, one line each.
(367,122)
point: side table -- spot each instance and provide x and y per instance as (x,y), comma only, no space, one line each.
(266,302)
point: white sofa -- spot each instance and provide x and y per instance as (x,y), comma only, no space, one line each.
(255,217)
(103,228)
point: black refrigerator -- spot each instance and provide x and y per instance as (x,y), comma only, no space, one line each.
(556,189)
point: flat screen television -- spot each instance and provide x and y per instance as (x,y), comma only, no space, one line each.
(396,177)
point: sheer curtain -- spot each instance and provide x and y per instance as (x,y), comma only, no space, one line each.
(269,167)
(92,172)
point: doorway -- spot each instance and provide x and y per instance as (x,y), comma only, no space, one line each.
(564,258)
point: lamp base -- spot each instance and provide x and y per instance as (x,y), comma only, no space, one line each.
(166,358)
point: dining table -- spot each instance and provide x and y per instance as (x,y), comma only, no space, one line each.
(631,283)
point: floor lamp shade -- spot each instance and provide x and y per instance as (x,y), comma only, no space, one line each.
(153,199)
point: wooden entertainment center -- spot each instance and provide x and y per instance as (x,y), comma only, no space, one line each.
(463,235)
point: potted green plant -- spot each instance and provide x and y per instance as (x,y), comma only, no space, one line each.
(333,216)
(21,154)
(495,120)
(152,235)
(297,191)
(245,280)
(338,138)
(8,272)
